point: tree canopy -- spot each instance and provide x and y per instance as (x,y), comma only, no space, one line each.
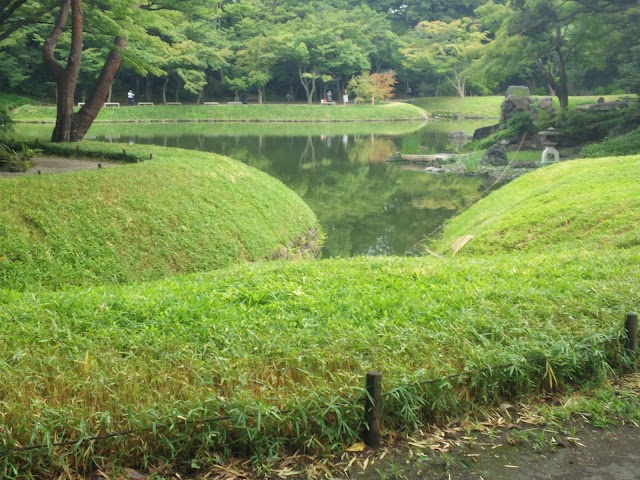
(199,50)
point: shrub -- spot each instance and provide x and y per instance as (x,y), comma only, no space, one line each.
(628,144)
(20,161)
(6,123)
(521,125)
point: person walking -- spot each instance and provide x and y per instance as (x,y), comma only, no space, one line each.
(130,97)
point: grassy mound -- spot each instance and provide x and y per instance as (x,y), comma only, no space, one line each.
(267,356)
(232,113)
(181,212)
(590,204)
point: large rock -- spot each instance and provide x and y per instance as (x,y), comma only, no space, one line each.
(546,104)
(495,155)
(484,132)
(459,139)
(513,105)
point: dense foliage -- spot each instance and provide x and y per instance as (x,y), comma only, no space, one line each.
(200,50)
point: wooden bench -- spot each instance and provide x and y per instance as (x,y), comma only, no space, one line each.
(106,104)
(144,103)
(211,103)
(174,103)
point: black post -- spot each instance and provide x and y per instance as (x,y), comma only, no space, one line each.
(631,340)
(77,150)
(151,156)
(124,154)
(99,165)
(373,409)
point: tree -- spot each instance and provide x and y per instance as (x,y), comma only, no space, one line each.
(255,60)
(629,52)
(377,85)
(445,48)
(406,13)
(72,126)
(550,34)
(321,50)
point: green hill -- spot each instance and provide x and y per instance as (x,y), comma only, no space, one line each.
(583,204)
(180,212)
(250,113)
(265,357)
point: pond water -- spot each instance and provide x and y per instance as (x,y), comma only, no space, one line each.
(365,204)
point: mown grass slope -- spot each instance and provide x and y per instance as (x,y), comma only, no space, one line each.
(278,350)
(590,204)
(181,212)
(236,113)
(487,106)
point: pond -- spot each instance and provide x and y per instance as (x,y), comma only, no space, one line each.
(365,204)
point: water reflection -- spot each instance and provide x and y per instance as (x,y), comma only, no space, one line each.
(366,205)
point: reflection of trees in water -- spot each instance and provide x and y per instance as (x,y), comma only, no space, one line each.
(371,149)
(309,152)
(365,205)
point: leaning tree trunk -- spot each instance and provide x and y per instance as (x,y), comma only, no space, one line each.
(88,113)
(70,126)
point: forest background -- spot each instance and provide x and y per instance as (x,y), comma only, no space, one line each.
(202,50)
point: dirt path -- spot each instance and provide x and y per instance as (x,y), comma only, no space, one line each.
(46,165)
(591,453)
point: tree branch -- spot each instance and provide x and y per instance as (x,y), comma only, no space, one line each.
(48,52)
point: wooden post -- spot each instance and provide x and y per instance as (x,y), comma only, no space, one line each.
(151,156)
(373,409)
(124,154)
(631,340)
(99,165)
(77,150)
(37,143)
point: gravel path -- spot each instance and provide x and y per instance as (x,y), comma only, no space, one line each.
(46,165)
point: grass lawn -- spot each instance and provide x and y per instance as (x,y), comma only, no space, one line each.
(182,211)
(486,106)
(279,350)
(237,113)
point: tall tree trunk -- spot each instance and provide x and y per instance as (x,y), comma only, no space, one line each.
(563,94)
(70,126)
(559,86)
(308,83)
(260,94)
(164,90)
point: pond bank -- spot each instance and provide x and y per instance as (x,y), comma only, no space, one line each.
(227,113)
